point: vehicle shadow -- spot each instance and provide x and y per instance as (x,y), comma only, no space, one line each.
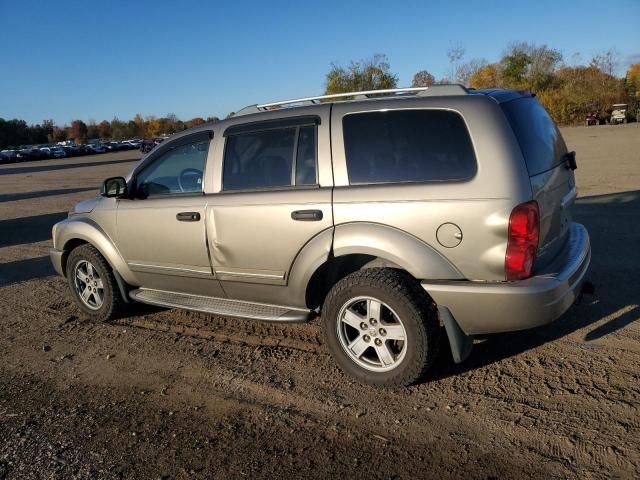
(612,222)
(20,231)
(63,166)
(14,197)
(23,270)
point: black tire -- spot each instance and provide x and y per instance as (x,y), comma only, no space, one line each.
(112,303)
(403,296)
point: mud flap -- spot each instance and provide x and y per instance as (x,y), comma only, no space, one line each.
(461,343)
(122,286)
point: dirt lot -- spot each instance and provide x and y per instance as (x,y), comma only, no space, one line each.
(169,394)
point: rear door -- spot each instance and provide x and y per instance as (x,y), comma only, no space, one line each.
(275,196)
(552,182)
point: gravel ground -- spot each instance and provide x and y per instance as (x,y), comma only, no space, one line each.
(170,394)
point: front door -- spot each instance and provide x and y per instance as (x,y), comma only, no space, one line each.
(161,230)
(273,200)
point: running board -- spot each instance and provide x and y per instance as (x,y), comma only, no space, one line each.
(222,306)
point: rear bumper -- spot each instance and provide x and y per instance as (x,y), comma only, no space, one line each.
(481,308)
(56,260)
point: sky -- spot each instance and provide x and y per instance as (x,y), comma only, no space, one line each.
(92,60)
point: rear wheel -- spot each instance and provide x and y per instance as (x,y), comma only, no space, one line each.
(381,327)
(93,285)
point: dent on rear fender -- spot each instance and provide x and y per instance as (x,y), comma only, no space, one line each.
(413,255)
(83,228)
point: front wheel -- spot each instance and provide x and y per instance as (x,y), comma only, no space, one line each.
(93,285)
(381,327)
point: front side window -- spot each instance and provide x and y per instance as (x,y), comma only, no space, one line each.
(407,146)
(179,170)
(282,157)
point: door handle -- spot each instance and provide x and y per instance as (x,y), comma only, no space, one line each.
(307,215)
(188,217)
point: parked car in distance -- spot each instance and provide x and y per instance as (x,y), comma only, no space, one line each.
(147,145)
(8,156)
(53,152)
(30,153)
(130,144)
(96,147)
(397,216)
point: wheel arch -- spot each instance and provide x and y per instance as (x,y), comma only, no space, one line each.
(362,245)
(72,233)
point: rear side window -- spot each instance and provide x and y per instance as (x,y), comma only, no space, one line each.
(407,146)
(540,140)
(274,158)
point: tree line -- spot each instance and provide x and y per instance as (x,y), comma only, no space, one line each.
(568,90)
(14,133)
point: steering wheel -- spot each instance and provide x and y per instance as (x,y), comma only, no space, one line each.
(188,172)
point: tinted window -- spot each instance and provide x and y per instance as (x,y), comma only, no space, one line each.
(270,159)
(178,170)
(407,146)
(540,140)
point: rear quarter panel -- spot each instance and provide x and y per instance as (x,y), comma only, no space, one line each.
(480,206)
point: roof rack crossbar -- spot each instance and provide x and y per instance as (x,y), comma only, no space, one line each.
(435,90)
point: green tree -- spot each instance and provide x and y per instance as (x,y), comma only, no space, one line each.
(369,74)
(529,67)
(93,131)
(118,129)
(514,69)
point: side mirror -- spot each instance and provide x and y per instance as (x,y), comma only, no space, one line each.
(114,187)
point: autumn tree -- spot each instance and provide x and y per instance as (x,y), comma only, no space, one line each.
(580,90)
(58,135)
(369,74)
(486,77)
(140,126)
(78,131)
(194,122)
(104,129)
(423,79)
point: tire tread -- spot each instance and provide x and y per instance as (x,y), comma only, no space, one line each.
(404,288)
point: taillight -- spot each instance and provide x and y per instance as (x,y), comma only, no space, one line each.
(522,246)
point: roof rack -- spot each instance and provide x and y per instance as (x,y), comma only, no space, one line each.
(435,90)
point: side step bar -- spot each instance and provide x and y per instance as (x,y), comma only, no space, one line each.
(222,306)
